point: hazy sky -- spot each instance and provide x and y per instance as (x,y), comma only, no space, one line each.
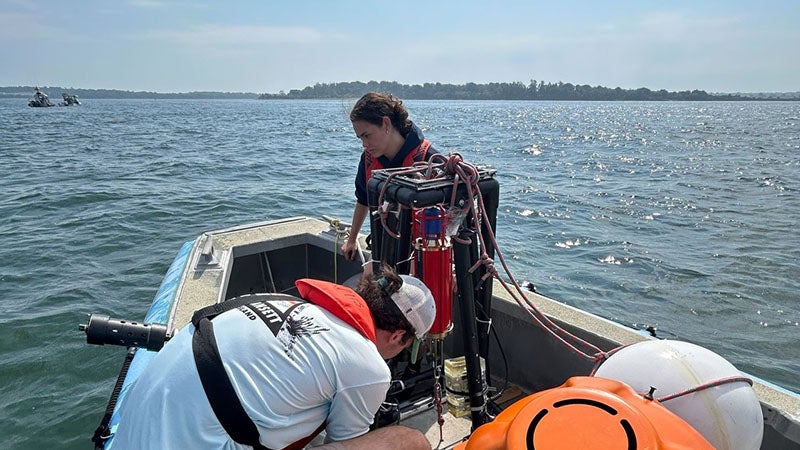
(268,46)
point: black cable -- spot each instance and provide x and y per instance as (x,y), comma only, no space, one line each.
(479,307)
(103,433)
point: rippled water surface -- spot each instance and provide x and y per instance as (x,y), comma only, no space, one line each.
(681,216)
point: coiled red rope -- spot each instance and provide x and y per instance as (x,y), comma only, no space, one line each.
(461,172)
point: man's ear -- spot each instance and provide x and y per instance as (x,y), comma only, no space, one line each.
(397,337)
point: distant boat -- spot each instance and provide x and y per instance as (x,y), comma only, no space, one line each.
(69,100)
(40,99)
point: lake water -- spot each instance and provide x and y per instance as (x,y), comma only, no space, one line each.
(681,216)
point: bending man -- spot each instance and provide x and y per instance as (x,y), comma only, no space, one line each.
(296,366)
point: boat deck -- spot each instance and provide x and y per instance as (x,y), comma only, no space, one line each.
(453,431)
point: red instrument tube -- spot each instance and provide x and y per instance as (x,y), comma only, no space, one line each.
(433,264)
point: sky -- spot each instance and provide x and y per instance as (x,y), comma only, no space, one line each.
(268,46)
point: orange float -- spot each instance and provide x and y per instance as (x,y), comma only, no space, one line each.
(586,413)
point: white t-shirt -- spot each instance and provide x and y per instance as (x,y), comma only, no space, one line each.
(290,376)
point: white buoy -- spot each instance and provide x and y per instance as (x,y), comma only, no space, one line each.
(728,416)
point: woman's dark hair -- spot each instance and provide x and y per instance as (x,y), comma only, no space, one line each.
(377,294)
(374,106)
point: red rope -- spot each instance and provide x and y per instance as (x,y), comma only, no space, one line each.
(705,386)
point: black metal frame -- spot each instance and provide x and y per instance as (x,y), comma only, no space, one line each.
(473,292)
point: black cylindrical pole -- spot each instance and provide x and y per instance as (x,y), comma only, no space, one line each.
(490,192)
(463,261)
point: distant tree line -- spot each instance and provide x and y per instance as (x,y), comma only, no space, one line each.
(535,90)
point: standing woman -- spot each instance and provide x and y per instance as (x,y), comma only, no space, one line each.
(390,140)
